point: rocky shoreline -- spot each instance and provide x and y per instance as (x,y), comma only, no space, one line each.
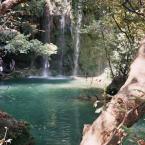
(18,131)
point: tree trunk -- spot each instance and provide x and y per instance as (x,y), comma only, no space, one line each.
(125,108)
(9,4)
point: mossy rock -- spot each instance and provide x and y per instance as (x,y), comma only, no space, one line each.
(18,131)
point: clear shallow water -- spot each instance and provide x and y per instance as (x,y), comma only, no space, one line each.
(55,116)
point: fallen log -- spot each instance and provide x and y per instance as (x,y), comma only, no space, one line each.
(125,108)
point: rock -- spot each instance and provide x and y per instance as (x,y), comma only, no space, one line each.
(83,98)
(88,98)
(17,130)
(115,85)
(93,98)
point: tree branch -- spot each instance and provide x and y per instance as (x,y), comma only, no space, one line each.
(131,8)
(121,29)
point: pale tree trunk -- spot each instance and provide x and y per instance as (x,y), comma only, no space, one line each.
(125,108)
(9,4)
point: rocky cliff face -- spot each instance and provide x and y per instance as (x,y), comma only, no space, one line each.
(61,24)
(56,26)
(57,15)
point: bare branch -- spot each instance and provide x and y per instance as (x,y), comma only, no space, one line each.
(122,30)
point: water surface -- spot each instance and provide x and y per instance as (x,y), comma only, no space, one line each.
(55,115)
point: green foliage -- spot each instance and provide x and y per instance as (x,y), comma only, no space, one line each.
(22,44)
(117,30)
(7,35)
(24,18)
(48,49)
(42,49)
(19,44)
(33,7)
(90,55)
(35,46)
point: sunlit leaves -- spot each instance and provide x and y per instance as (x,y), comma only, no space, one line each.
(33,7)
(7,35)
(22,44)
(122,30)
(18,44)
(48,49)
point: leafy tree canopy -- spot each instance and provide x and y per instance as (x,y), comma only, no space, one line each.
(21,44)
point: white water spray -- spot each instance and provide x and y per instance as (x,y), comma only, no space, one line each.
(77,37)
(46,72)
(62,23)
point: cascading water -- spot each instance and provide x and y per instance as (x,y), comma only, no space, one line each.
(64,10)
(62,39)
(77,37)
(55,9)
(46,36)
(62,23)
(46,72)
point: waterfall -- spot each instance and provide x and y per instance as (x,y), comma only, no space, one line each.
(62,42)
(77,37)
(47,22)
(62,34)
(56,19)
(63,14)
(62,23)
(46,66)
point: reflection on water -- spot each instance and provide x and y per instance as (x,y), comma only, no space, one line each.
(56,117)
